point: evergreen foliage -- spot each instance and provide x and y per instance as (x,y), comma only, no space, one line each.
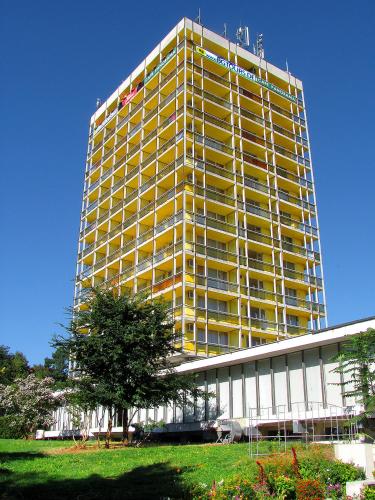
(356,364)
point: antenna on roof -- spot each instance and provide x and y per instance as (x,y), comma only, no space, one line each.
(286,65)
(242,35)
(198,18)
(225,31)
(98,102)
(259,49)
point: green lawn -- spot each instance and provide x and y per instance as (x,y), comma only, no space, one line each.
(29,469)
(34,469)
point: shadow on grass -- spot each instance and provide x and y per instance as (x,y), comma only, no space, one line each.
(156,481)
(20,455)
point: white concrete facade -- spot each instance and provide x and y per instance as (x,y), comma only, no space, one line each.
(295,374)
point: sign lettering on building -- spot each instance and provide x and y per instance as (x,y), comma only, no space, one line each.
(243,72)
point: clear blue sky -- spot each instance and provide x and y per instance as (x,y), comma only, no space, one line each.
(58,57)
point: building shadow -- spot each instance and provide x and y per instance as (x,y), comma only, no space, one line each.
(158,481)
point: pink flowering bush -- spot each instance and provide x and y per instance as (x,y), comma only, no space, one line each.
(29,403)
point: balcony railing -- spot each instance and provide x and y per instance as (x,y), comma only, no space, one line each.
(290,247)
(303,304)
(306,278)
(151,93)
(211,167)
(253,184)
(214,253)
(287,133)
(210,222)
(121,182)
(147,118)
(256,236)
(248,114)
(282,172)
(288,114)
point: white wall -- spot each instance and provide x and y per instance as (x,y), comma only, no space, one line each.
(302,376)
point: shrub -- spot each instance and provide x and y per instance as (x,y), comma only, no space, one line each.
(236,488)
(284,487)
(334,491)
(7,431)
(278,465)
(308,476)
(368,493)
(309,489)
(330,471)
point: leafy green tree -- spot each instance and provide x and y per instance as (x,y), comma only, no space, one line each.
(56,367)
(356,364)
(12,366)
(40,371)
(121,347)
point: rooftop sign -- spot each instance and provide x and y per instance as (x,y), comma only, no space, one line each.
(243,72)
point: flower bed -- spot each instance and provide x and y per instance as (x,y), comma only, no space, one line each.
(311,476)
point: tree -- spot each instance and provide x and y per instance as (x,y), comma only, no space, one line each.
(58,365)
(30,401)
(55,367)
(356,364)
(121,348)
(12,366)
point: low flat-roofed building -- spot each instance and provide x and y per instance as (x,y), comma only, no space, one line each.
(287,381)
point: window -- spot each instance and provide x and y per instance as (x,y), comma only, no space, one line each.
(217,305)
(216,244)
(287,243)
(291,296)
(287,239)
(252,181)
(201,335)
(216,216)
(255,229)
(292,320)
(215,273)
(257,313)
(253,203)
(285,217)
(289,269)
(214,188)
(254,255)
(218,338)
(217,279)
(201,302)
(118,417)
(289,265)
(284,194)
(253,283)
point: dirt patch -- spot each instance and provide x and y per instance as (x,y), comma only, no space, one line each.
(71,450)
(90,448)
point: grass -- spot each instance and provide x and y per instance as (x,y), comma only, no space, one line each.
(50,470)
